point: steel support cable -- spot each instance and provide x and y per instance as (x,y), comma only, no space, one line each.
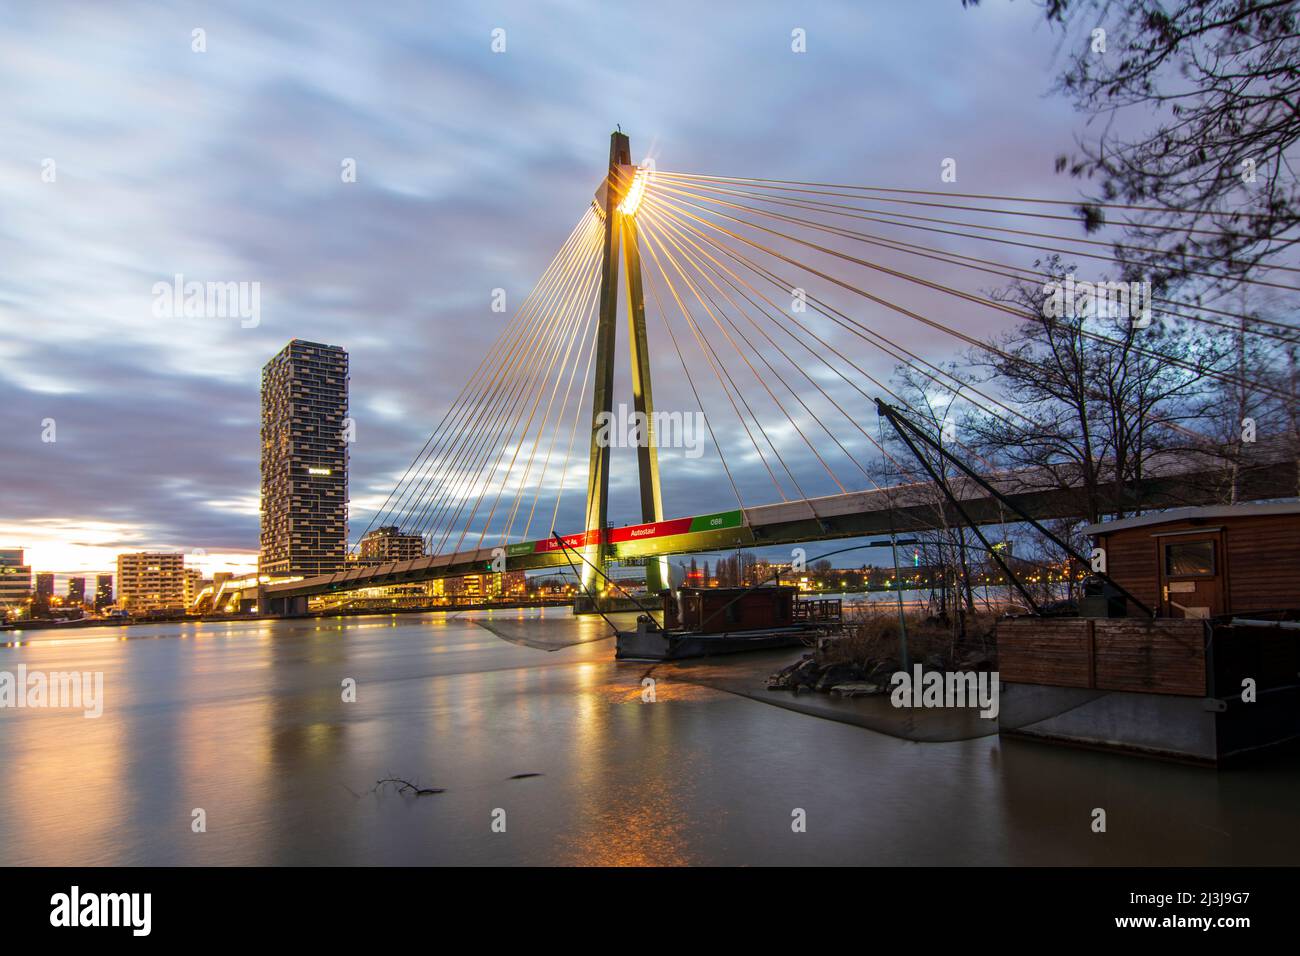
(719,368)
(844,210)
(453,454)
(581,317)
(533,384)
(575,317)
(561,414)
(525,346)
(975,453)
(574,313)
(939,287)
(580,402)
(516,341)
(463,455)
(707,357)
(991,228)
(501,342)
(902,468)
(711,358)
(953,257)
(511,339)
(782,284)
(1169,424)
(950,258)
(690,380)
(880,240)
(577,323)
(827,310)
(811,351)
(932,192)
(864,332)
(867,334)
(763,382)
(737,282)
(700,297)
(588,332)
(961,385)
(479,447)
(699,267)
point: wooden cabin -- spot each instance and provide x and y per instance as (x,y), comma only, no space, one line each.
(1224,585)
(1207,562)
(731,609)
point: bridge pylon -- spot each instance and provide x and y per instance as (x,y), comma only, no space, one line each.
(620,234)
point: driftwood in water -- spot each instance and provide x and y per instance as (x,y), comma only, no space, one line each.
(405,786)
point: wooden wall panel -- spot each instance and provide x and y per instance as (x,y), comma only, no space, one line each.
(1125,654)
(1155,657)
(1034,651)
(1132,560)
(1263,563)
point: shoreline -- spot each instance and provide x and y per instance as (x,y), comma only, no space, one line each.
(42,625)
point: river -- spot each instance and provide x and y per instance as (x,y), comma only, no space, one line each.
(246,722)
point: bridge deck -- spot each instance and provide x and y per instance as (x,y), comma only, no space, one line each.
(902,508)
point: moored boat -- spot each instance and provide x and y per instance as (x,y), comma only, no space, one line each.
(701,622)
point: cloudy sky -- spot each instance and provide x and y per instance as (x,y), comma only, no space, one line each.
(128,157)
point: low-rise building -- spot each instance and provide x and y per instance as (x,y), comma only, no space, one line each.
(194,583)
(15,578)
(474,587)
(151,581)
(103,591)
(389,543)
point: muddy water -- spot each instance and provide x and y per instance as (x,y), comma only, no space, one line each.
(246,722)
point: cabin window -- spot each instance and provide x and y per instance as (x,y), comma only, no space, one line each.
(1189,559)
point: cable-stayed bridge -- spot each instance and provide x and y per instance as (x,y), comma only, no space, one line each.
(771,303)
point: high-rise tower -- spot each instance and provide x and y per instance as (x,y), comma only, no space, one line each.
(304,460)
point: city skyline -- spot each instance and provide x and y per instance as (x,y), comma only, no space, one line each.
(366,269)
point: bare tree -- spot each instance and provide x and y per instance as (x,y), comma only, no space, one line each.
(1194,110)
(1098,398)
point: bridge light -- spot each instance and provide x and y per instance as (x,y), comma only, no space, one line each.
(635,192)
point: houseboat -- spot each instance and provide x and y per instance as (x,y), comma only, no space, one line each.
(1210,675)
(700,622)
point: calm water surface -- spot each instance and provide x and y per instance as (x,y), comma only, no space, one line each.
(246,721)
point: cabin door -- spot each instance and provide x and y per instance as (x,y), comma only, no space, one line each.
(1191,574)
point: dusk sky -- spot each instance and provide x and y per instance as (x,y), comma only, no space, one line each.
(472,167)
